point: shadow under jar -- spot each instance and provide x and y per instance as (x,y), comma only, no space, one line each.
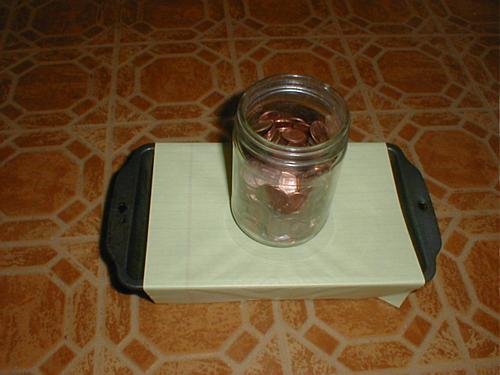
(289,139)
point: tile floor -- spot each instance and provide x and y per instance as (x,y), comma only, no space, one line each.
(84,82)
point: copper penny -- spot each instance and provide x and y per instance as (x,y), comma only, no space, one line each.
(270,116)
(319,132)
(303,127)
(294,136)
(295,202)
(262,126)
(276,198)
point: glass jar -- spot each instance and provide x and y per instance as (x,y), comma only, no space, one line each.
(289,139)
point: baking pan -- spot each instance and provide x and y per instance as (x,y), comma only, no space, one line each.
(127,213)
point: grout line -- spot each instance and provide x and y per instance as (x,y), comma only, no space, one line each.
(232,47)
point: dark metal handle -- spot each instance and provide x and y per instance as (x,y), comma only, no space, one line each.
(127,217)
(417,209)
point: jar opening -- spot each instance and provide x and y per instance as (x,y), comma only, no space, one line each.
(299,97)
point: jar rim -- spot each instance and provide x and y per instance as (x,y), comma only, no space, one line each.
(297,81)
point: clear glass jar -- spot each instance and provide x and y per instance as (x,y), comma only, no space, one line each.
(283,180)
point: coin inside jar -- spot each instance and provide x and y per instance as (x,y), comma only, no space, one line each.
(319,132)
(294,136)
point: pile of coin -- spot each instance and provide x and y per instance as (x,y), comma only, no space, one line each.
(285,204)
(283,129)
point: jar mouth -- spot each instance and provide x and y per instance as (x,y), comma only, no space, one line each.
(301,85)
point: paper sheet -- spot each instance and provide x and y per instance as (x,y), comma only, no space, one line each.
(196,253)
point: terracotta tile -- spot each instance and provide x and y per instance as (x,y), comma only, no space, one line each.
(42,25)
(435,189)
(87,254)
(66,271)
(480,224)
(78,149)
(364,125)
(426,119)
(72,211)
(260,18)
(392,17)
(482,267)
(480,56)
(294,313)
(373,356)
(152,20)
(58,361)
(358,318)
(56,180)
(112,365)
(299,56)
(451,372)
(463,161)
(321,339)
(442,347)
(88,225)
(242,347)
(82,366)
(453,284)
(170,81)
(31,317)
(428,299)
(455,243)
(267,361)
(37,139)
(6,152)
(172,132)
(487,322)
(443,222)
(305,361)
(475,200)
(84,317)
(475,129)
(139,354)
(25,256)
(70,83)
(93,178)
(122,135)
(171,327)
(93,136)
(260,315)
(493,370)
(118,318)
(408,132)
(465,16)
(417,331)
(42,229)
(194,367)
(477,344)
(390,76)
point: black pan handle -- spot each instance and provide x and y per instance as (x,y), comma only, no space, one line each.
(127,217)
(417,209)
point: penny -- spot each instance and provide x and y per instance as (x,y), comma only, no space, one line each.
(276,197)
(270,116)
(319,132)
(288,182)
(294,136)
(295,202)
(271,133)
(302,126)
(262,126)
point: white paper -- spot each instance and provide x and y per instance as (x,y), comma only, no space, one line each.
(196,253)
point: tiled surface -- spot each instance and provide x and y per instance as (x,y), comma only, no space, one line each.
(83,84)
